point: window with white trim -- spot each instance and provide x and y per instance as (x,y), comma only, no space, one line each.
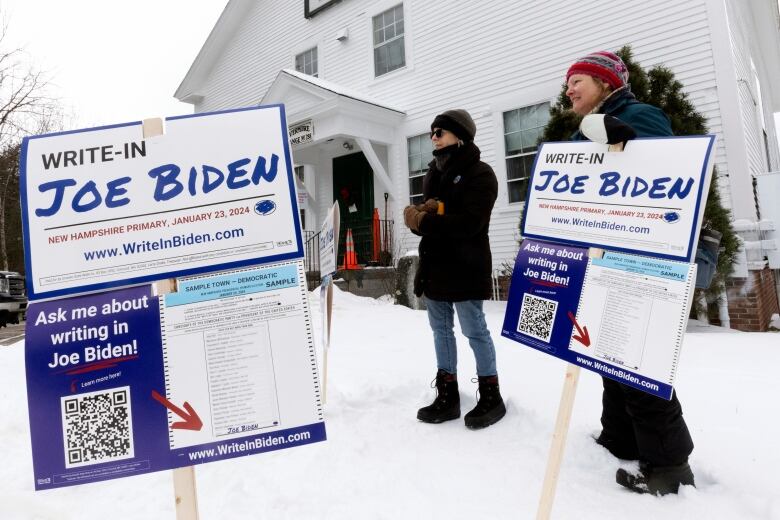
(389,51)
(420,153)
(522,129)
(306,62)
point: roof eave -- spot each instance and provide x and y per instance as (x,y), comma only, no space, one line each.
(232,15)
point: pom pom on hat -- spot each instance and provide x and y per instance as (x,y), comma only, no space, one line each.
(603,65)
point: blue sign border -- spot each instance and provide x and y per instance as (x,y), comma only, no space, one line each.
(81,289)
(688,257)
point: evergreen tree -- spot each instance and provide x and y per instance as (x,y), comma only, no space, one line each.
(659,87)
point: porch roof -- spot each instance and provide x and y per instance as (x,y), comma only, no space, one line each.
(334,110)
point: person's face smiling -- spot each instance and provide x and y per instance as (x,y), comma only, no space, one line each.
(584,92)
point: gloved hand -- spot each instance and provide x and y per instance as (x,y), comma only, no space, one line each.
(430,206)
(413,217)
(605,129)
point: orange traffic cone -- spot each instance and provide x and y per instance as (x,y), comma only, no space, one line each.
(350,258)
(375,237)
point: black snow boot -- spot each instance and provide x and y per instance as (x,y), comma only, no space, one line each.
(490,407)
(446,406)
(656,480)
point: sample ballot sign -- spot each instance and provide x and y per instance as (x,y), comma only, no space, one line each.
(105,207)
(124,382)
(622,316)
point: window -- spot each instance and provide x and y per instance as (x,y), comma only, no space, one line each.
(420,154)
(300,173)
(306,62)
(522,129)
(389,51)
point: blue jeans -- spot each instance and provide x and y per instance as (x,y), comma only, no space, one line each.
(473,326)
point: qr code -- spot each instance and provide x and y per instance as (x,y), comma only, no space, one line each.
(537,315)
(97,427)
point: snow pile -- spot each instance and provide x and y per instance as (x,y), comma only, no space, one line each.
(381,463)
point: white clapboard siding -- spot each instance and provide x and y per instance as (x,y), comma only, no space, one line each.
(486,57)
(740,25)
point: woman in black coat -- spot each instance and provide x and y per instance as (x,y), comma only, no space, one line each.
(455,265)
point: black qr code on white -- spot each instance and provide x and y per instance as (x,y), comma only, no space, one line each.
(537,316)
(97,427)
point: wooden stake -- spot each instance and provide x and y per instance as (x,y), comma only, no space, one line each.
(186,493)
(558,444)
(184,488)
(152,127)
(326,322)
(183,478)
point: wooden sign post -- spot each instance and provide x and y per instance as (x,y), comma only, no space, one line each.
(183,478)
(558,444)
(561,431)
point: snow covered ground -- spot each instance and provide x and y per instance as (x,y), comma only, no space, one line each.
(381,463)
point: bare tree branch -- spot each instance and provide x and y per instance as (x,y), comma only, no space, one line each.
(26,108)
(24,98)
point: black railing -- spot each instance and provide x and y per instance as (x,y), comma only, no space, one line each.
(311,251)
(372,246)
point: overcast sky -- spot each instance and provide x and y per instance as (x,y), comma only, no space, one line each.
(112,62)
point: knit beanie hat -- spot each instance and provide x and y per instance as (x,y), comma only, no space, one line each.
(458,122)
(603,65)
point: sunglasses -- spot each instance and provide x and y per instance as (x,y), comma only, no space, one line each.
(438,133)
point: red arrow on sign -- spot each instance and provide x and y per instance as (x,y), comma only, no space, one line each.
(583,337)
(191,420)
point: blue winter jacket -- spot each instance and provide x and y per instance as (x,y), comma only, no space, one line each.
(646,120)
(650,121)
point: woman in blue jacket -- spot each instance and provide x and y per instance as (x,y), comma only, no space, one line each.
(635,425)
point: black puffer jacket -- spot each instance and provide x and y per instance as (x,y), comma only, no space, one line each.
(455,259)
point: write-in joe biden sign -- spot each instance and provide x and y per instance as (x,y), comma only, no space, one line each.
(104,207)
(647,200)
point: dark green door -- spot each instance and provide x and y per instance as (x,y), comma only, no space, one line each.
(353,187)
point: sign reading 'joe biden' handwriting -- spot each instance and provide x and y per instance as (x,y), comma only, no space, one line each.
(647,200)
(105,207)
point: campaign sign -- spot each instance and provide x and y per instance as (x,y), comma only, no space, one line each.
(231,375)
(648,199)
(621,316)
(239,349)
(636,309)
(544,294)
(329,238)
(104,207)
(92,365)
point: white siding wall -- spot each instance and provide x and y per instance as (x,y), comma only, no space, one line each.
(744,49)
(747,91)
(486,57)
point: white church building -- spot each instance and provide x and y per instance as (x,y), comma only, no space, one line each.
(361,81)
